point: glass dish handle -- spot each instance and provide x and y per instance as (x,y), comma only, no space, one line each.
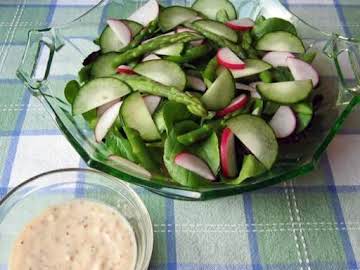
(36,61)
(346,55)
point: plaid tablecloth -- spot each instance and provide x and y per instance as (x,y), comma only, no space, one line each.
(312,222)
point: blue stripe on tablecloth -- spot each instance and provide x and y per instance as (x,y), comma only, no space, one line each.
(254,248)
(79,189)
(170,235)
(339,216)
(342,17)
(36,132)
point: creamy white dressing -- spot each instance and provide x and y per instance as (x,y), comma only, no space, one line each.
(78,235)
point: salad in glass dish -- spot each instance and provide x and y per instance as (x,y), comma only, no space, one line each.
(196,94)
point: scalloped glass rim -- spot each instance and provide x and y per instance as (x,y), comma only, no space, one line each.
(344,100)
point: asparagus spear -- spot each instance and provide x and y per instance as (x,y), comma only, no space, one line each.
(140,150)
(201,133)
(145,85)
(190,54)
(221,42)
(145,32)
(153,45)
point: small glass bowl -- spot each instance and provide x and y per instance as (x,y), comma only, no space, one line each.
(35,195)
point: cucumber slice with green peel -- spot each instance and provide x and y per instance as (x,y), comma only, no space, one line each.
(217,28)
(109,42)
(303,107)
(304,115)
(134,27)
(222,16)
(252,67)
(103,66)
(272,25)
(210,8)
(221,92)
(257,136)
(164,72)
(251,167)
(285,92)
(136,115)
(173,16)
(280,42)
(98,92)
(173,50)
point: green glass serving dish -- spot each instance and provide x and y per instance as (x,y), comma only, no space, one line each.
(54,56)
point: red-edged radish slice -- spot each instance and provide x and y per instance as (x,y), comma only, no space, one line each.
(194,43)
(152,102)
(244,87)
(283,122)
(124,70)
(146,14)
(151,57)
(243,24)
(130,167)
(238,103)
(228,154)
(121,31)
(194,164)
(229,59)
(278,59)
(196,83)
(103,108)
(106,121)
(303,71)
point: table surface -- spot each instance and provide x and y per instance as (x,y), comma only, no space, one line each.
(312,222)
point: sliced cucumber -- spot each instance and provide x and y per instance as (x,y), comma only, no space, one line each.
(285,92)
(257,136)
(251,167)
(173,50)
(136,115)
(98,92)
(222,16)
(217,28)
(163,71)
(252,67)
(280,41)
(103,66)
(221,92)
(109,42)
(304,115)
(173,16)
(272,25)
(134,27)
(210,8)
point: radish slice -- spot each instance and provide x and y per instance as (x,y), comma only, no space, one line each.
(106,121)
(245,87)
(229,59)
(151,57)
(194,43)
(121,31)
(277,59)
(124,70)
(303,71)
(243,24)
(255,94)
(152,102)
(130,167)
(238,103)
(146,14)
(194,164)
(196,83)
(103,108)
(283,122)
(228,154)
